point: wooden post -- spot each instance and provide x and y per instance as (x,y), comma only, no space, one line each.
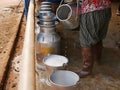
(27,70)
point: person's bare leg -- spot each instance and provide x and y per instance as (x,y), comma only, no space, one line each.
(87,62)
(97,52)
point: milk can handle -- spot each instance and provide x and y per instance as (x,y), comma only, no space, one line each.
(61,2)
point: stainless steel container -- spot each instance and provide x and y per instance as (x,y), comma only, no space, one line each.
(44,14)
(46,3)
(48,43)
(46,6)
(47,15)
(41,23)
(45,29)
(45,9)
(47,23)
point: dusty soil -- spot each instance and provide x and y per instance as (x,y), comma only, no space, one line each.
(12,78)
(8,3)
(105,76)
(10,17)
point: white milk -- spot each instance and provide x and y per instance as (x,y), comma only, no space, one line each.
(55,60)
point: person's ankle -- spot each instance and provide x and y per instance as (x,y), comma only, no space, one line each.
(118,13)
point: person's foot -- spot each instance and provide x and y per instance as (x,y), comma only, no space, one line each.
(118,13)
(83,74)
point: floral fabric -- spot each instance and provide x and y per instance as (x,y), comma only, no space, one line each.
(93,5)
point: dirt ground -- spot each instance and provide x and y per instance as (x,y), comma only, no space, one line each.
(105,76)
(10,17)
(8,3)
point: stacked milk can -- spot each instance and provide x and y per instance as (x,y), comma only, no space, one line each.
(48,41)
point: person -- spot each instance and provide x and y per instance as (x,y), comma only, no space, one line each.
(118,10)
(94,21)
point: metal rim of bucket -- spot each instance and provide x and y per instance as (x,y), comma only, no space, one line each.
(61,76)
(55,65)
(68,16)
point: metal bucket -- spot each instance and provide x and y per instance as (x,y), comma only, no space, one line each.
(68,15)
(63,80)
(54,62)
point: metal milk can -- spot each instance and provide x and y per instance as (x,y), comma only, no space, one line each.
(48,43)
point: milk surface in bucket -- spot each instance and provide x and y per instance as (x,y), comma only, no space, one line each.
(55,60)
(64,80)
